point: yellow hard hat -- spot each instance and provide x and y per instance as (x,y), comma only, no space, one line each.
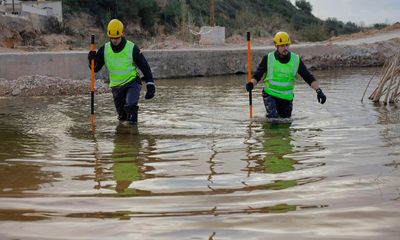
(115,29)
(281,38)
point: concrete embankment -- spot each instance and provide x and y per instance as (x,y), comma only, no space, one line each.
(196,62)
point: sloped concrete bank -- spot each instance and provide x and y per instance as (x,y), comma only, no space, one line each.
(20,68)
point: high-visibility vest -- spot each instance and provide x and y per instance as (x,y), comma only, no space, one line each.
(280,78)
(120,66)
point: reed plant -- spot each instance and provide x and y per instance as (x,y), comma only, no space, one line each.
(388,88)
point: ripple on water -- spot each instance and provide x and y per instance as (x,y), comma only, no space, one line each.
(197,167)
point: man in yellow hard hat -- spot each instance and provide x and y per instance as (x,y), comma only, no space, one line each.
(280,69)
(122,58)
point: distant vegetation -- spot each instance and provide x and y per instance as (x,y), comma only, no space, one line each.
(261,17)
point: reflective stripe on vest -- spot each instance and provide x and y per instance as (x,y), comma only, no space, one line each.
(120,66)
(280,78)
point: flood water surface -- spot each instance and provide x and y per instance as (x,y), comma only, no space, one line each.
(196,169)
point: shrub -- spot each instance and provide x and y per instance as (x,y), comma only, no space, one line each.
(314,32)
(304,6)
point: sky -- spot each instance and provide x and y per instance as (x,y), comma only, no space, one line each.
(361,12)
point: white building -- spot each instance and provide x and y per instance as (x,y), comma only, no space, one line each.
(44,8)
(10,7)
(40,7)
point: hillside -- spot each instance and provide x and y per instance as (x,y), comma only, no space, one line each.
(151,18)
(170,23)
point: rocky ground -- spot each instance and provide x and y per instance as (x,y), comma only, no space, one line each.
(38,85)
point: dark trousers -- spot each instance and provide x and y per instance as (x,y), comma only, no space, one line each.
(126,98)
(277,107)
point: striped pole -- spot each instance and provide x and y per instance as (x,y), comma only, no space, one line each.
(92,84)
(249,74)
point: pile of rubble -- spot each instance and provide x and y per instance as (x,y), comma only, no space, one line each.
(38,85)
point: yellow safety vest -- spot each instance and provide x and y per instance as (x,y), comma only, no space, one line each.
(120,66)
(280,78)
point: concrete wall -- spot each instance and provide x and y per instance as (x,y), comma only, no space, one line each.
(212,35)
(164,64)
(61,64)
(34,10)
(196,62)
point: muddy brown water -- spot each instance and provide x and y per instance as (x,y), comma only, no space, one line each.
(196,170)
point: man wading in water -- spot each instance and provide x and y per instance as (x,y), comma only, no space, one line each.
(122,58)
(280,68)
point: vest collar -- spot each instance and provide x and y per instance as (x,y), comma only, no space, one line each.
(120,46)
(282,59)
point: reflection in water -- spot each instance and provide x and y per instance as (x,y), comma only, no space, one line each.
(211,162)
(125,156)
(127,167)
(281,184)
(18,138)
(277,145)
(19,142)
(26,215)
(123,215)
(200,174)
(388,119)
(17,178)
(212,236)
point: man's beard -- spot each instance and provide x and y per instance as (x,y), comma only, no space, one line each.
(284,53)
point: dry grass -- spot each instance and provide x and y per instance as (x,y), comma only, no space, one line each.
(368,33)
(389,84)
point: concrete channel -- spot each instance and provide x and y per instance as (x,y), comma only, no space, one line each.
(198,62)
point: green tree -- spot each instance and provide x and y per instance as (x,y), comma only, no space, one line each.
(335,27)
(304,5)
(350,27)
(170,13)
(380,25)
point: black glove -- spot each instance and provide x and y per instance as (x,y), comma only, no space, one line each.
(321,96)
(91,55)
(151,89)
(249,86)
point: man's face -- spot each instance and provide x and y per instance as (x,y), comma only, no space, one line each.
(283,49)
(115,41)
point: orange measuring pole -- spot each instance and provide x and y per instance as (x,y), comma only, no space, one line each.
(249,74)
(92,84)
